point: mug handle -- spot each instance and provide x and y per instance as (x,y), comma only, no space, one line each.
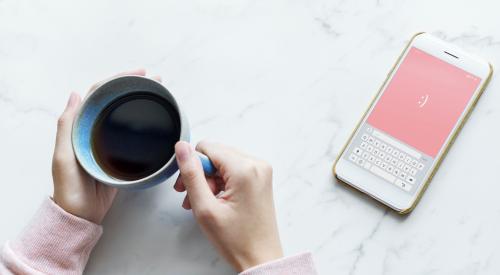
(208,166)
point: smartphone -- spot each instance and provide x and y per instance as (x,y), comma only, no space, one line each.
(406,131)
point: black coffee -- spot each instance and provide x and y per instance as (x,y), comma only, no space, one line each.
(135,135)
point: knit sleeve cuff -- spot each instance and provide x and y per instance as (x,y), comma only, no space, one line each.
(301,264)
(56,241)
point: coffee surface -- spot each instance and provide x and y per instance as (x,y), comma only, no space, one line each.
(135,136)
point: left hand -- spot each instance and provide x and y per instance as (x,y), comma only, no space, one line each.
(74,190)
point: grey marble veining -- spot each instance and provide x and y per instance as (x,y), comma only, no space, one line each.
(284,80)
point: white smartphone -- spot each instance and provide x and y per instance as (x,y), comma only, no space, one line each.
(399,143)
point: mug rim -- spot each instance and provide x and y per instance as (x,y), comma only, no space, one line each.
(109,180)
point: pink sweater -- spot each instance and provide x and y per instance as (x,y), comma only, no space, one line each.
(56,242)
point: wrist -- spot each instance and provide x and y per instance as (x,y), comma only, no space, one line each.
(75,208)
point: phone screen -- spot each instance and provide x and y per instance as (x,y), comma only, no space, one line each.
(412,119)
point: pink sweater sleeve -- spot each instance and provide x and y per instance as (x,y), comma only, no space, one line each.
(55,242)
(301,264)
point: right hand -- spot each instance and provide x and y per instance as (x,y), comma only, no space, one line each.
(241,220)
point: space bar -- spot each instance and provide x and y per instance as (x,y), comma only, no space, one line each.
(379,172)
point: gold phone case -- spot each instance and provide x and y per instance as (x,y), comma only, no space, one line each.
(447,145)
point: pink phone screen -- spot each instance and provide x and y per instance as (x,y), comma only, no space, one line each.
(423,101)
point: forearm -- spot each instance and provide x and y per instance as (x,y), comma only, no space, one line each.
(55,242)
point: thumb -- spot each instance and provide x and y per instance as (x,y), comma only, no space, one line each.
(199,192)
(65,124)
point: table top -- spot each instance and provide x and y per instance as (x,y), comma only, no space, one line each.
(283,80)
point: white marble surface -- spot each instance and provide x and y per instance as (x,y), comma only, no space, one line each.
(284,80)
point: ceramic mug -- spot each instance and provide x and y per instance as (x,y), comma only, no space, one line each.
(96,102)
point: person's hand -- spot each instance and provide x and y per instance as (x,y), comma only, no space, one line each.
(74,190)
(235,208)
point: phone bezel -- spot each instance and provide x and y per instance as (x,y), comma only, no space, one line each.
(372,185)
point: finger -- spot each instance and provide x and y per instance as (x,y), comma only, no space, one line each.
(185,203)
(213,183)
(109,191)
(108,194)
(139,72)
(179,185)
(213,186)
(157,78)
(200,194)
(64,126)
(223,157)
(220,184)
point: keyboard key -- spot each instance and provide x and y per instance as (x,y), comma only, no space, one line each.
(353,157)
(369,148)
(401,184)
(378,162)
(401,156)
(394,161)
(406,169)
(364,137)
(388,158)
(414,163)
(360,161)
(371,140)
(410,179)
(383,165)
(420,166)
(363,145)
(381,154)
(400,165)
(376,143)
(413,171)
(395,153)
(390,169)
(377,171)
(371,159)
(396,172)
(383,146)
(376,151)
(402,175)
(365,155)
(408,159)
(389,150)
(357,151)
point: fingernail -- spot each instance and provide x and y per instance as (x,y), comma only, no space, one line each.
(183,151)
(71,100)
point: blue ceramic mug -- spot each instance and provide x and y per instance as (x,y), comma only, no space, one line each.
(101,98)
